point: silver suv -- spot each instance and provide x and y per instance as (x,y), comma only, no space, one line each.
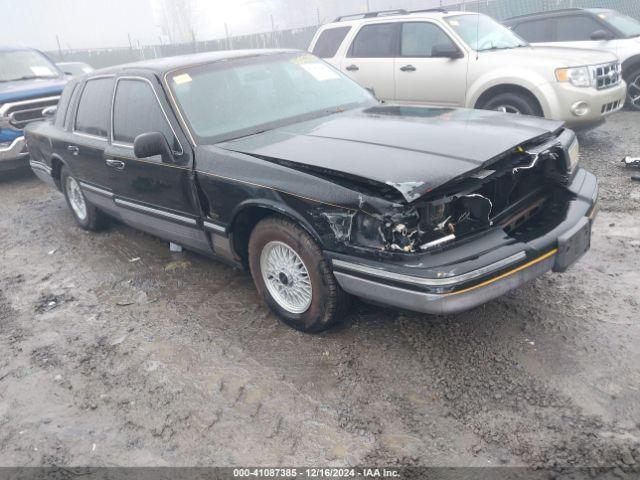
(460,59)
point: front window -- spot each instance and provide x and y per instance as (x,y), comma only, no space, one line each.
(230,99)
(629,27)
(483,33)
(25,65)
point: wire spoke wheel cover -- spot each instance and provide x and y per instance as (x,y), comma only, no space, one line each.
(286,277)
(76,198)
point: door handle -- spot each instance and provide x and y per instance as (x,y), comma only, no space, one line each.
(352,68)
(73,149)
(408,68)
(117,164)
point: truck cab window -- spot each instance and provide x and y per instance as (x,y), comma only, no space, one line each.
(92,117)
(136,110)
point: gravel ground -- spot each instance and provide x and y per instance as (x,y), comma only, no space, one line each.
(117,352)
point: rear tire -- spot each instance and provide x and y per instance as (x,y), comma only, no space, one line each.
(86,215)
(510,102)
(633,89)
(293,277)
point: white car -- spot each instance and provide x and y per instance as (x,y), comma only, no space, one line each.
(594,28)
(459,59)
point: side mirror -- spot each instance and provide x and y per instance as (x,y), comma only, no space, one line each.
(151,144)
(446,50)
(50,112)
(601,35)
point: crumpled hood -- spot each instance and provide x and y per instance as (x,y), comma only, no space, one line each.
(25,89)
(413,149)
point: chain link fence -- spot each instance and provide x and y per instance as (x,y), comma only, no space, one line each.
(301,37)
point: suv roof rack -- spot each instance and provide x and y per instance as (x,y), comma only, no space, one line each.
(379,13)
(424,10)
(547,13)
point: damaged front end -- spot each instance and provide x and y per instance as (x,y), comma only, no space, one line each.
(521,191)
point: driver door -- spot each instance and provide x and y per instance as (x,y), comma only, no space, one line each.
(150,194)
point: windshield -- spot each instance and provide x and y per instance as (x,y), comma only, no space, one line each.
(230,99)
(25,65)
(629,27)
(483,33)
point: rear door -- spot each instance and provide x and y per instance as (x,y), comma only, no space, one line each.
(370,59)
(423,78)
(84,149)
(153,195)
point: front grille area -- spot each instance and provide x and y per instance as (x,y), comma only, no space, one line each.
(20,113)
(611,106)
(607,75)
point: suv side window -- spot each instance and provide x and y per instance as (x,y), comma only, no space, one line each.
(136,110)
(92,116)
(575,28)
(535,30)
(378,40)
(329,41)
(419,38)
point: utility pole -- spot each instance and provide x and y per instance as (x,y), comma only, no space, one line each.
(368,6)
(318,14)
(226,32)
(273,25)
(59,48)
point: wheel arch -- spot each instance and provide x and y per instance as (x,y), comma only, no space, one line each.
(507,88)
(56,169)
(630,64)
(247,215)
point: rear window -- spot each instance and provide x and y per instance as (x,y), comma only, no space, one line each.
(63,104)
(92,117)
(534,31)
(376,41)
(329,41)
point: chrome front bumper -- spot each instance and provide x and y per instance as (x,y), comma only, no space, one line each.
(14,155)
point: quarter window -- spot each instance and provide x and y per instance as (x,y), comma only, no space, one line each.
(376,41)
(419,38)
(576,28)
(329,41)
(93,112)
(136,110)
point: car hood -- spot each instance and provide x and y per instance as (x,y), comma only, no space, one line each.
(557,56)
(25,89)
(412,149)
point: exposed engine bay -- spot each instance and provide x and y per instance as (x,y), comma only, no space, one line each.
(507,193)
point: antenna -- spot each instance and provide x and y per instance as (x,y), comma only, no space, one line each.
(478,32)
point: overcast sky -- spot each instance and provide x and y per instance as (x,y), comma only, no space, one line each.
(82,24)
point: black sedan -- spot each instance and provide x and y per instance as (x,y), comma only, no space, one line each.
(276,162)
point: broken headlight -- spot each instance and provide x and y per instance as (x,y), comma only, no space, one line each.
(573,156)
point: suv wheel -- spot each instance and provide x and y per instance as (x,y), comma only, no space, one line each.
(293,277)
(85,214)
(510,102)
(633,89)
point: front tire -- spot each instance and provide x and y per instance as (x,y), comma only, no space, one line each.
(293,278)
(633,89)
(510,102)
(86,215)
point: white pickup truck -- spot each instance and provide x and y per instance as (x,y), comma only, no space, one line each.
(459,59)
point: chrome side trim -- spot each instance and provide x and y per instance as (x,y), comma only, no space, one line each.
(214,226)
(40,166)
(430,282)
(161,213)
(98,190)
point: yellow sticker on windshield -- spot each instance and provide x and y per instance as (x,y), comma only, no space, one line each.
(304,59)
(182,78)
